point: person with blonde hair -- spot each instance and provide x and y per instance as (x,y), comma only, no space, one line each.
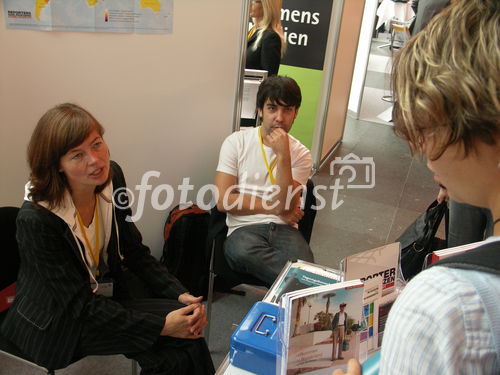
(86,283)
(446,82)
(266,41)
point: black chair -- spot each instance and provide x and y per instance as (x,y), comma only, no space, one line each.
(9,268)
(8,272)
(307,221)
(221,276)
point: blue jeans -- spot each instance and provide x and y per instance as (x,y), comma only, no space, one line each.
(468,224)
(262,250)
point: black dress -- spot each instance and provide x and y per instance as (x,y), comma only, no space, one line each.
(267,55)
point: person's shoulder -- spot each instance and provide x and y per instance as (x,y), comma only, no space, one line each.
(297,148)
(245,135)
(438,290)
(236,143)
(270,34)
(443,274)
(29,209)
(118,178)
(36,215)
(448,302)
(296,143)
(115,167)
(432,298)
(439,276)
(457,281)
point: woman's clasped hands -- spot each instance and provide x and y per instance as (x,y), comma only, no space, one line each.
(187,322)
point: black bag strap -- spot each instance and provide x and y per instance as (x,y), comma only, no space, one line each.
(447,223)
(433,216)
(485,258)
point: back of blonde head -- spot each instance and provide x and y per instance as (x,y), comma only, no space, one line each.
(446,79)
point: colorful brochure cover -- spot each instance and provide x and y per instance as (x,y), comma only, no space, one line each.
(382,262)
(372,297)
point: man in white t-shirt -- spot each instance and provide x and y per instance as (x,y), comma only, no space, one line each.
(260,176)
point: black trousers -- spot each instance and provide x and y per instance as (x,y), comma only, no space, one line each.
(168,355)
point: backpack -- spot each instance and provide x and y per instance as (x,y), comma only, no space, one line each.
(185,250)
(484,258)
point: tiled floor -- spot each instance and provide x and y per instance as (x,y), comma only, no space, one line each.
(403,187)
(370,217)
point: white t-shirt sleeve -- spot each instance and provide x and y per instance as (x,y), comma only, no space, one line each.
(228,156)
(301,165)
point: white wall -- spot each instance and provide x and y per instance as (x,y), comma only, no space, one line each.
(166,101)
(362,56)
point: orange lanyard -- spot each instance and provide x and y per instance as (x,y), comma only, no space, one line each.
(93,251)
(273,164)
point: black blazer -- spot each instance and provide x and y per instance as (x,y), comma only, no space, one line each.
(267,56)
(54,299)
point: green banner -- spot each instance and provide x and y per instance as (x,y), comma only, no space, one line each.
(309,81)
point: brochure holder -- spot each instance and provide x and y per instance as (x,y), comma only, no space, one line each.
(251,82)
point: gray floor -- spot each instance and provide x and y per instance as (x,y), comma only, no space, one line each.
(367,218)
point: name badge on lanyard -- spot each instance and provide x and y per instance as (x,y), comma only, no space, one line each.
(104,287)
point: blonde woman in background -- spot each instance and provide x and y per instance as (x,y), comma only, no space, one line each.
(266,41)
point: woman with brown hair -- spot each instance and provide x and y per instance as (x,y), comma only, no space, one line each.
(86,284)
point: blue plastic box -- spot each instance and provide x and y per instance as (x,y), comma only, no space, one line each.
(255,341)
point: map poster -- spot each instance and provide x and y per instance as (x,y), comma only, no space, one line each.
(110,16)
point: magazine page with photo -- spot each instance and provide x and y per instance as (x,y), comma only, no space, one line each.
(322,328)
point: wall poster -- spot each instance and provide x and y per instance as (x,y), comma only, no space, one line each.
(110,16)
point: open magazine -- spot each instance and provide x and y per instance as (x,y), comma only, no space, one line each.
(295,329)
(322,328)
(255,343)
(300,275)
